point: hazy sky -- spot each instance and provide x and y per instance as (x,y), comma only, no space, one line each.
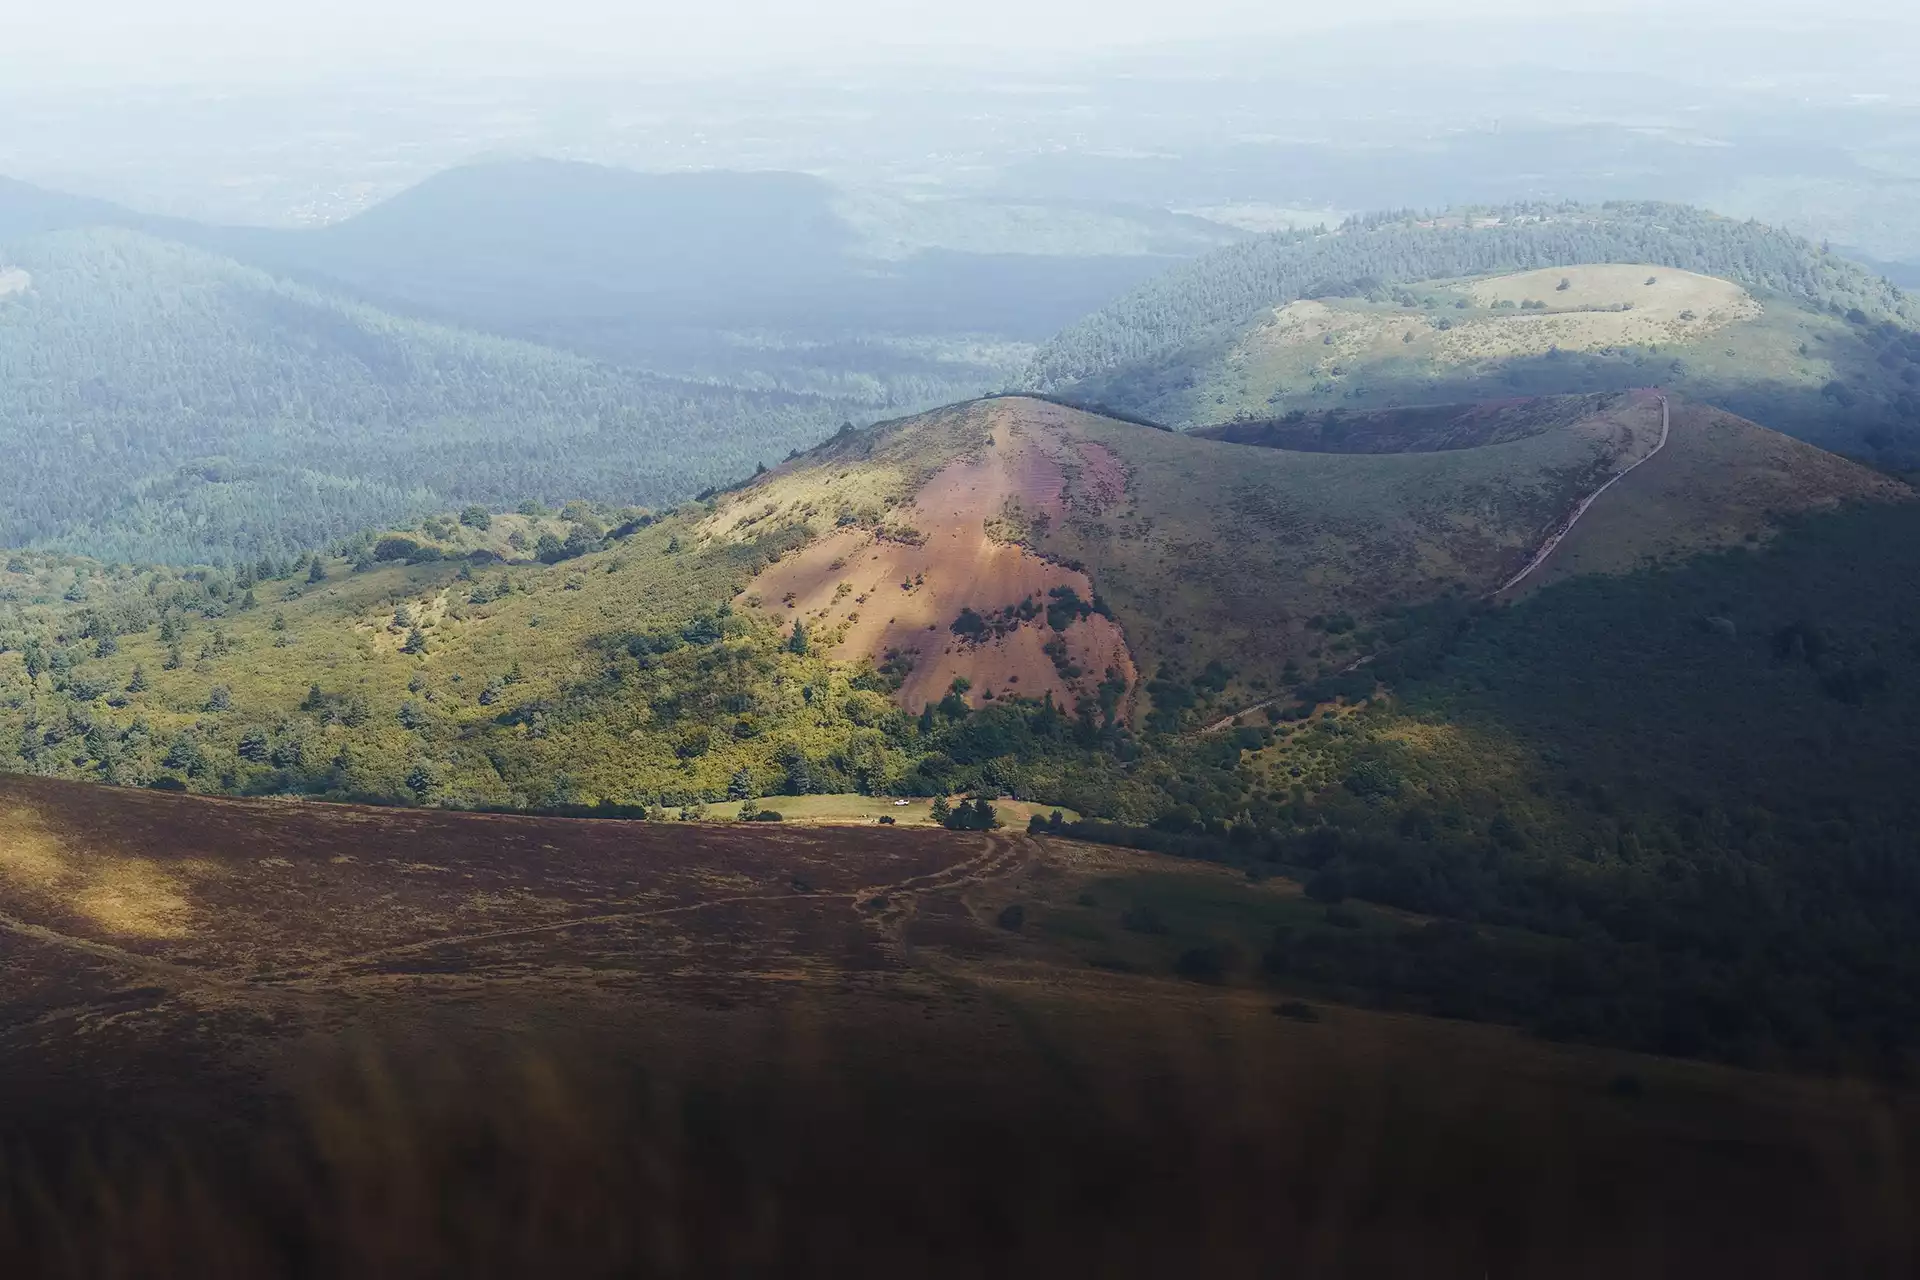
(62,40)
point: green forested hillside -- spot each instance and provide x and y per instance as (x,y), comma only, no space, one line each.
(1820,348)
(160,403)
(598,664)
(1230,285)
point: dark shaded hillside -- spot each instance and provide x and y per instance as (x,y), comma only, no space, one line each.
(1701,777)
(1669,810)
(159,403)
(1414,429)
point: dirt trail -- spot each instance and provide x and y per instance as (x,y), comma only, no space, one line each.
(888,905)
(892,907)
(186,975)
(1540,557)
(958,874)
(1552,543)
(1227,722)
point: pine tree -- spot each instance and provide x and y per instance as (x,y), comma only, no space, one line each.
(942,811)
(416,642)
(184,754)
(138,684)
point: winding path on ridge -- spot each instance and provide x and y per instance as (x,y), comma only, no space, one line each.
(1553,541)
(1540,557)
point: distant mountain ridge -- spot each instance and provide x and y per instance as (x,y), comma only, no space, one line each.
(756,278)
(543,236)
(588,331)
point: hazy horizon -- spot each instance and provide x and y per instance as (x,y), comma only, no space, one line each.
(231,40)
(277,115)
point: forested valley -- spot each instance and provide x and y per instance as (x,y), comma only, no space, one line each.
(160,404)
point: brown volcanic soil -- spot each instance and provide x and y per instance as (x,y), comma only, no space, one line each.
(879,593)
(137,923)
(531,1046)
(1206,552)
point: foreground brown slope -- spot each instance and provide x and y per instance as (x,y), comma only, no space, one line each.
(1202,551)
(514,1042)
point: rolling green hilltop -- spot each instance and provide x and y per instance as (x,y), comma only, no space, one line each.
(1528,300)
